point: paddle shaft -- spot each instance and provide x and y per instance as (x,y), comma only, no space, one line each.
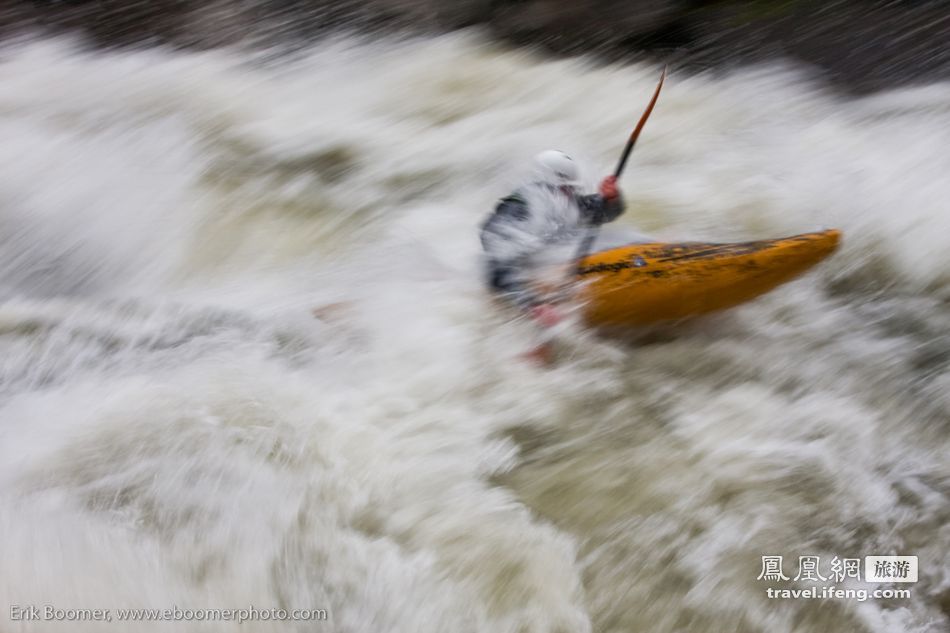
(592,231)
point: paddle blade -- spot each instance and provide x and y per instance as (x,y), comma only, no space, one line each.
(636,131)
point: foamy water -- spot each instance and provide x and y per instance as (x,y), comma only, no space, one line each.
(177,429)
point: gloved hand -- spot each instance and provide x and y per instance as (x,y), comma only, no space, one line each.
(608,188)
(547,314)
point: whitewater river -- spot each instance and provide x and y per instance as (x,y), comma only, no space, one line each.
(177,429)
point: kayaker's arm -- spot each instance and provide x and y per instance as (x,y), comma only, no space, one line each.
(603,207)
(505,244)
(509,210)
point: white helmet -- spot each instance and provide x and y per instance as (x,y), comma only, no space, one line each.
(556,168)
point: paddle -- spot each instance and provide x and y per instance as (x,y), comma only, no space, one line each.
(588,240)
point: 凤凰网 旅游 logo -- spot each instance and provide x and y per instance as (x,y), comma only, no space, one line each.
(881,569)
(838,578)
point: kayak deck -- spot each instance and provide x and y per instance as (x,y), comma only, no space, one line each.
(640,284)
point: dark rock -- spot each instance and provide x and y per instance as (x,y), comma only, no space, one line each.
(582,25)
(435,13)
(859,44)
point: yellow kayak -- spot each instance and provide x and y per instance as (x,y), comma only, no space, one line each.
(640,284)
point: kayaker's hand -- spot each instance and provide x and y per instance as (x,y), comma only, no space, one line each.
(608,188)
(547,315)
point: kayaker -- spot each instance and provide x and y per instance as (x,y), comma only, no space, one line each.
(548,211)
